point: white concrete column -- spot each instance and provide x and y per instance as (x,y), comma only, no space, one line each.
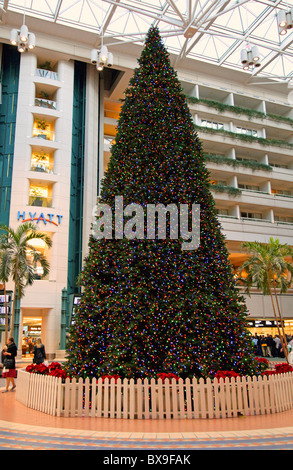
(23,131)
(93,115)
(231,153)
(233,181)
(195,92)
(235,212)
(265,159)
(266,187)
(229,99)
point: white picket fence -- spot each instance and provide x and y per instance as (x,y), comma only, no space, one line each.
(153,399)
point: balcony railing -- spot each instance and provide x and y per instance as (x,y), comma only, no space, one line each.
(44,103)
(43,134)
(42,167)
(47,74)
(38,201)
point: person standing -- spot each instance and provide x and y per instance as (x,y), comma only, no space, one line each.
(278,345)
(39,352)
(9,370)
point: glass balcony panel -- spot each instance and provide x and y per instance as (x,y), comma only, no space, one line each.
(47,74)
(43,134)
(38,201)
(43,167)
(44,103)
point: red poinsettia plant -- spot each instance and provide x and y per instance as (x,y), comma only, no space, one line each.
(223,374)
(37,369)
(54,369)
(55,366)
(58,373)
(169,376)
(281,368)
(109,376)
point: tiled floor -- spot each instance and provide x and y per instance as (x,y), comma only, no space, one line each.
(23,428)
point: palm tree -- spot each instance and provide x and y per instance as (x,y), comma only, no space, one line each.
(22,257)
(4,277)
(269,268)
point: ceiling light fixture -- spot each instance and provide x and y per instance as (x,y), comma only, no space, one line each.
(285,21)
(22,38)
(101,57)
(250,57)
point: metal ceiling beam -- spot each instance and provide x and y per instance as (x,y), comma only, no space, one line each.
(141,11)
(57,10)
(207,26)
(108,17)
(178,12)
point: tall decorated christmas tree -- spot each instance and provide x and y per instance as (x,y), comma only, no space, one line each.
(154,303)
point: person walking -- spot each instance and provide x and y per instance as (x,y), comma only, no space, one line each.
(9,370)
(270,344)
(39,352)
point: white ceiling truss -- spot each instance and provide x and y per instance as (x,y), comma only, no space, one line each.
(213,31)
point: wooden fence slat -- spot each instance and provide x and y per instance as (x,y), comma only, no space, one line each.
(228,397)
(59,397)
(125,399)
(119,399)
(216,398)
(131,399)
(146,391)
(234,397)
(160,398)
(188,398)
(93,397)
(222,398)
(202,401)
(210,401)
(181,399)
(80,397)
(195,397)
(99,397)
(256,394)
(282,393)
(153,399)
(73,404)
(267,398)
(167,397)
(139,391)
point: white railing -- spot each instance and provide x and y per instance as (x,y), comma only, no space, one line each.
(46,74)
(145,399)
(44,103)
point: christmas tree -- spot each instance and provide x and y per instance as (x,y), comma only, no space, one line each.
(148,305)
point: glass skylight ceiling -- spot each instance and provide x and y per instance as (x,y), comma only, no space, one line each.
(218,29)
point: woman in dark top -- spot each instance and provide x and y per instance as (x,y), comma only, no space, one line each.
(39,352)
(9,370)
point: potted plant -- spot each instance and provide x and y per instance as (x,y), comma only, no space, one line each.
(42,125)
